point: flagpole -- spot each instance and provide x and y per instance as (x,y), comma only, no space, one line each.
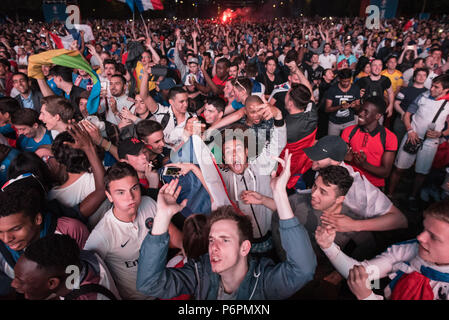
(144,24)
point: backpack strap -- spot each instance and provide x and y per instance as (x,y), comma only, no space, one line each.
(7,255)
(439,111)
(90,288)
(383,136)
(352,133)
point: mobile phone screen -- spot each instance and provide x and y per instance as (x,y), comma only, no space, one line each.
(172,171)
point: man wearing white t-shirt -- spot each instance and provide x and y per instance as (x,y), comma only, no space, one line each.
(327,60)
(119,234)
(430,111)
(418,268)
(119,99)
(174,118)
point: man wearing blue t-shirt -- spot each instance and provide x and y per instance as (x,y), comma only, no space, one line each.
(32,133)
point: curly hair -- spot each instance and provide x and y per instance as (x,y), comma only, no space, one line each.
(75,160)
(12,202)
(54,252)
(338,176)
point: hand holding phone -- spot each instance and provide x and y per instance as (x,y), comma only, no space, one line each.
(171,171)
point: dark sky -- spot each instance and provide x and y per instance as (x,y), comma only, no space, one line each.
(103,8)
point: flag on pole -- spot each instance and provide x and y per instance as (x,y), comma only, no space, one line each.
(61,42)
(144,5)
(67,58)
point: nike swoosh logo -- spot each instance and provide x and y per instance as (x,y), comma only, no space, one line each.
(123,245)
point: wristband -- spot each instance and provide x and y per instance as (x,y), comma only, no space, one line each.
(411,130)
(279,123)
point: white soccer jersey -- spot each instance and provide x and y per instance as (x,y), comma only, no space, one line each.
(118,244)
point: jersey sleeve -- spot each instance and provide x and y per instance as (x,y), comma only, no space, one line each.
(98,243)
(391,144)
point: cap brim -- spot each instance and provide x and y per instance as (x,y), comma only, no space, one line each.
(314,153)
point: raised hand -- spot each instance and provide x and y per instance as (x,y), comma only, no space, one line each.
(92,130)
(166,199)
(358,282)
(82,138)
(325,236)
(279,183)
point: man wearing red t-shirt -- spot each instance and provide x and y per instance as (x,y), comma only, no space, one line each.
(218,82)
(372,146)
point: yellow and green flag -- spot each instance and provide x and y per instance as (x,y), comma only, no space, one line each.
(71,59)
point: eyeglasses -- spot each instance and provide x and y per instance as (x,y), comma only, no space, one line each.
(22,176)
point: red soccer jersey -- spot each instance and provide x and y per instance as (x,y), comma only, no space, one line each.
(371,144)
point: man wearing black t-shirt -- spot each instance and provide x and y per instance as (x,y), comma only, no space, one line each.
(376,85)
(342,102)
(326,82)
(405,97)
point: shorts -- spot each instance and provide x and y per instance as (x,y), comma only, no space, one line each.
(336,129)
(424,157)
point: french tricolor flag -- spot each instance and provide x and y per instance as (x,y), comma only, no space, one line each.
(144,5)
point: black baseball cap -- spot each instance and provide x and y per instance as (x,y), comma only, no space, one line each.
(332,147)
(131,146)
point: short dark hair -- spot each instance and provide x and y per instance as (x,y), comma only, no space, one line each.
(118,171)
(122,78)
(9,105)
(226,62)
(443,79)
(63,72)
(58,105)
(251,70)
(300,96)
(21,74)
(110,61)
(338,176)
(292,55)
(417,60)
(415,73)
(345,73)
(245,228)
(175,91)
(25,117)
(12,202)
(378,102)
(271,58)
(75,160)
(218,103)
(147,127)
(196,233)
(54,252)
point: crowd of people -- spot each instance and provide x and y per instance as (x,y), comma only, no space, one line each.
(278,159)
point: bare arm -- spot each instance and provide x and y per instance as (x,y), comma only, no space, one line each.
(45,89)
(154,54)
(229,119)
